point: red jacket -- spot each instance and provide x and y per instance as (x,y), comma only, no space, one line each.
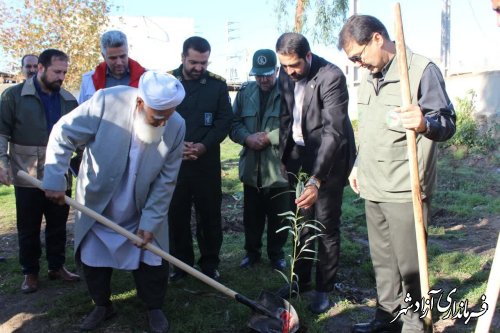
(99,76)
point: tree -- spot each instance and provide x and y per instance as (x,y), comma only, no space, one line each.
(72,26)
(328,16)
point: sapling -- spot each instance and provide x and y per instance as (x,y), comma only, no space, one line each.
(297,222)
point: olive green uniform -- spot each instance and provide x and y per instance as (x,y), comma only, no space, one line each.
(384,177)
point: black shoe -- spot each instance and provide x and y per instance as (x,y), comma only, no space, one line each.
(158,323)
(279,264)
(212,273)
(320,302)
(377,326)
(177,275)
(97,316)
(284,292)
(2,259)
(248,262)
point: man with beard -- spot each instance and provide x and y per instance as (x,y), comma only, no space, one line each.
(133,142)
(208,114)
(116,69)
(316,137)
(29,65)
(27,113)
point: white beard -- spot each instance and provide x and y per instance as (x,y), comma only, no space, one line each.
(145,132)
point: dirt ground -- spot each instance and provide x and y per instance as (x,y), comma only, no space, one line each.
(25,313)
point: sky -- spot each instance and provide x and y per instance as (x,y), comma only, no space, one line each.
(475,38)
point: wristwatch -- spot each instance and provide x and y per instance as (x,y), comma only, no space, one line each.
(313,181)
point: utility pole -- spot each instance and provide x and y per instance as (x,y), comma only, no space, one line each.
(445,36)
(232,57)
(352,71)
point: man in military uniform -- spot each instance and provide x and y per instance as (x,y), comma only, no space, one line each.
(208,115)
(256,128)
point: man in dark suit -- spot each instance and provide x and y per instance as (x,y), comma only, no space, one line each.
(316,137)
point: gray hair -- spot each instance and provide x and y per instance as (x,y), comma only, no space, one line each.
(113,38)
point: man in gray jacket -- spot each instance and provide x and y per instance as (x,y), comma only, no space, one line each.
(133,142)
(256,128)
(381,174)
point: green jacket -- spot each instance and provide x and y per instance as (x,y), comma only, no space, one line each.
(383,167)
(247,121)
(23,125)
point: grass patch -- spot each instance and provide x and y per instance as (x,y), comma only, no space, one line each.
(229,161)
(464,271)
(7,205)
(466,191)
(192,306)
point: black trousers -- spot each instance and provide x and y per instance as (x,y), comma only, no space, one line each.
(259,203)
(150,282)
(203,189)
(31,206)
(326,210)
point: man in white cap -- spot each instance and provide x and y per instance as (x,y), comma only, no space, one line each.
(133,142)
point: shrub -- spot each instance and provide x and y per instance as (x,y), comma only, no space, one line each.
(467,134)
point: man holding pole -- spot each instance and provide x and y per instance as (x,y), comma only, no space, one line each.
(381,174)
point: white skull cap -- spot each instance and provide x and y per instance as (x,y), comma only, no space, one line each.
(160,91)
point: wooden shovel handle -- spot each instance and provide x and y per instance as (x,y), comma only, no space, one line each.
(492,290)
(134,238)
(412,156)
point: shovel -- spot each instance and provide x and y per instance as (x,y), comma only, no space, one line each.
(272,314)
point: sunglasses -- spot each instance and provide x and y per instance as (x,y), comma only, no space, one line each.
(357,58)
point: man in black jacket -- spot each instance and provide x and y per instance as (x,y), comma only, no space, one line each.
(316,137)
(208,115)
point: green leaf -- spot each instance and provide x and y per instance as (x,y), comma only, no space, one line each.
(284,228)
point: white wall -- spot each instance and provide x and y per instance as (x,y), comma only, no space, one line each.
(486,85)
(155,42)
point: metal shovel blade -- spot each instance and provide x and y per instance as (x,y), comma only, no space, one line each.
(283,320)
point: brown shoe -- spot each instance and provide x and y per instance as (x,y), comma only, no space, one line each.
(63,274)
(30,283)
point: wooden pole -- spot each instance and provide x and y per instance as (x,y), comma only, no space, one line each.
(412,156)
(492,290)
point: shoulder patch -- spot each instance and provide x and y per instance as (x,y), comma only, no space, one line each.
(215,76)
(175,73)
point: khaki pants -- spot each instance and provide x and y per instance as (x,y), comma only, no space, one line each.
(393,250)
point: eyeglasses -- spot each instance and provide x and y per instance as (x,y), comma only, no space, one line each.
(357,58)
